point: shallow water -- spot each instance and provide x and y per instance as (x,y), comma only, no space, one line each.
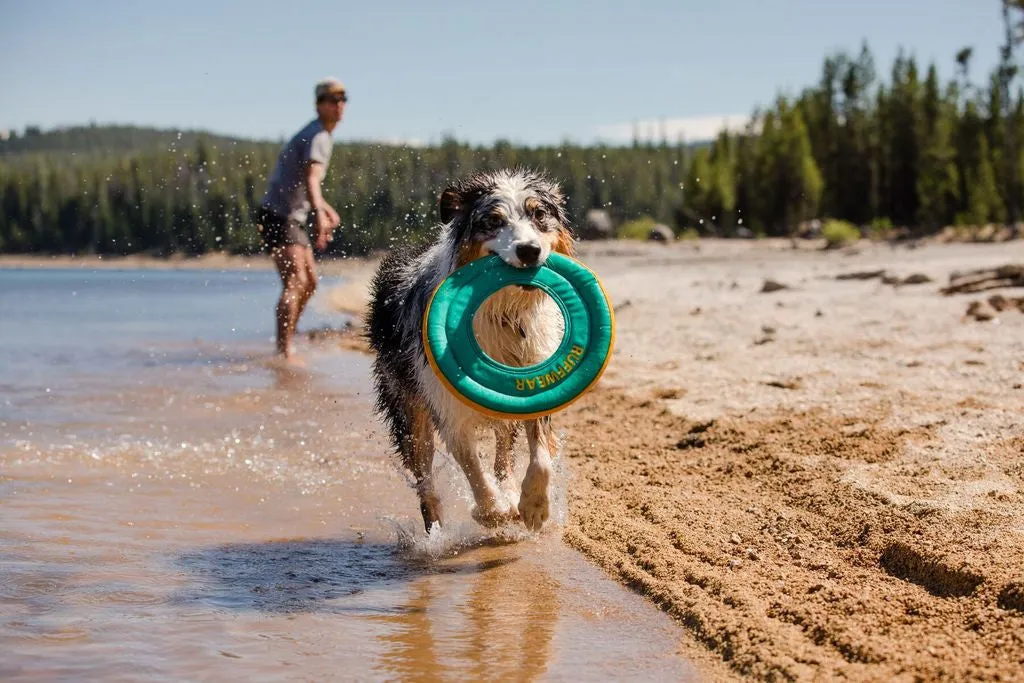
(176,508)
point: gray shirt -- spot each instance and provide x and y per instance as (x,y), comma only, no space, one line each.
(286,188)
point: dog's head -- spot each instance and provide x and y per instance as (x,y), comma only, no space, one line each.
(517,214)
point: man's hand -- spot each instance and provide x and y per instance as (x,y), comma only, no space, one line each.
(326,220)
(335,218)
(321,242)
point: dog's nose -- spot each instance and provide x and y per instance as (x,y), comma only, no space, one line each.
(528,254)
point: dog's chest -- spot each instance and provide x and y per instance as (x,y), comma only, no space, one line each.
(517,340)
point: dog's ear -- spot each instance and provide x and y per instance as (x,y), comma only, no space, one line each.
(450,205)
(555,195)
(555,191)
(565,240)
(456,201)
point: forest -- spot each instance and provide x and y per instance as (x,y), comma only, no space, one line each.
(893,150)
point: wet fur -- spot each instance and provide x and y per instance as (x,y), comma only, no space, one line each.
(519,215)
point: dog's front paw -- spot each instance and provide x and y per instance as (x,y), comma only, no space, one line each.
(534,506)
(494,512)
(430,508)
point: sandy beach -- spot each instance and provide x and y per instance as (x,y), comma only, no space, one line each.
(815,481)
(820,481)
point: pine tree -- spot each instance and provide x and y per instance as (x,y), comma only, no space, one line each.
(903,143)
(786,173)
(938,178)
(696,189)
(722,191)
(983,201)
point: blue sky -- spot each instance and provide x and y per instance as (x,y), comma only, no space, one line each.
(533,72)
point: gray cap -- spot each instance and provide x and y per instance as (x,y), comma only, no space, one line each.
(329,86)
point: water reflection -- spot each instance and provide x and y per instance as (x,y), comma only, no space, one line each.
(290,378)
(486,612)
(501,625)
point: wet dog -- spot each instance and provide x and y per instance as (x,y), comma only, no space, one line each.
(520,216)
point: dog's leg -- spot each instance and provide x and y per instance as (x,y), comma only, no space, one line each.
(492,507)
(534,504)
(413,437)
(418,453)
(504,440)
(504,458)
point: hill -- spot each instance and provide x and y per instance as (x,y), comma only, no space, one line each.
(107,139)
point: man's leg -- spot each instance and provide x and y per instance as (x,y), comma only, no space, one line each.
(291,265)
(309,265)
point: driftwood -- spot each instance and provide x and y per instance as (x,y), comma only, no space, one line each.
(969,282)
(997,303)
(1004,303)
(772,286)
(887,279)
(912,279)
(861,275)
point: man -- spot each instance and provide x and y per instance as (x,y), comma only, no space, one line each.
(292,201)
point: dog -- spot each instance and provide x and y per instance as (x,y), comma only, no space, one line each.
(520,215)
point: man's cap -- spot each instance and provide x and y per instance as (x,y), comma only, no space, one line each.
(329,86)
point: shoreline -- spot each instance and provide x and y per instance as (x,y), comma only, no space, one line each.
(135,261)
(610,247)
(215,261)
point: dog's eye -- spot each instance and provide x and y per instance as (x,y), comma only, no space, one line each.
(540,214)
(494,220)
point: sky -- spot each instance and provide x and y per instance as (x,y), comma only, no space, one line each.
(530,72)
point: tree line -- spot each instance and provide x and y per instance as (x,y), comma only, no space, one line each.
(907,151)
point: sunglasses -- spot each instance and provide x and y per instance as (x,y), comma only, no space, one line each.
(335,98)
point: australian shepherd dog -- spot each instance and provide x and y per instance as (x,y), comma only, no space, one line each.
(520,216)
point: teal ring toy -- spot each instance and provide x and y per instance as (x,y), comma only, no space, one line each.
(505,391)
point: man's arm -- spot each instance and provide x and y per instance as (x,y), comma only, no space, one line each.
(326,217)
(315,176)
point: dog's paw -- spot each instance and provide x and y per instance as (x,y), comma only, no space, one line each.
(511,493)
(534,505)
(494,512)
(430,508)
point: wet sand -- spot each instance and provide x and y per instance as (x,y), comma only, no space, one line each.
(245,523)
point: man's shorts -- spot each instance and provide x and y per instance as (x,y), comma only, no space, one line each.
(278,231)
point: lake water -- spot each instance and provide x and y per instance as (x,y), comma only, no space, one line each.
(177,507)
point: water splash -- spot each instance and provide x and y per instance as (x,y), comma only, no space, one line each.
(460,532)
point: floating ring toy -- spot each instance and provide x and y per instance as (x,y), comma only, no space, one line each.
(510,392)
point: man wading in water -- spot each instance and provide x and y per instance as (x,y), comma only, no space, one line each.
(294,200)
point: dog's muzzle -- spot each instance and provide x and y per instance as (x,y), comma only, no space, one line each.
(528,254)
